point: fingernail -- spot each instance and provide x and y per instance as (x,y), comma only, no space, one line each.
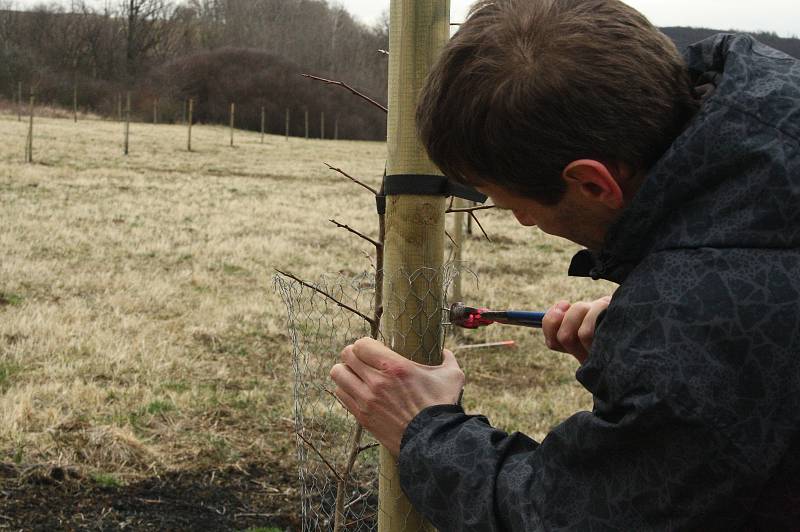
(563,306)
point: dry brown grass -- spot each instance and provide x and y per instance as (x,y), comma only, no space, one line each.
(139,328)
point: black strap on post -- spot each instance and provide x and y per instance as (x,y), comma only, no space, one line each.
(423,185)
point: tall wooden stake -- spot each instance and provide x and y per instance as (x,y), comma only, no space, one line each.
(19,102)
(29,139)
(287,123)
(414,224)
(322,125)
(155,110)
(263,122)
(75,102)
(233,120)
(119,107)
(458,241)
(306,118)
(189,137)
(127,119)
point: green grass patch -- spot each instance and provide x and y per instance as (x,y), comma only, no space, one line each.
(159,407)
(8,299)
(7,372)
(175,386)
(233,269)
(106,480)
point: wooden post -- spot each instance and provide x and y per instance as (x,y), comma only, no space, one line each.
(322,125)
(306,116)
(19,102)
(75,90)
(155,110)
(414,225)
(263,122)
(119,107)
(336,128)
(75,102)
(127,119)
(287,123)
(233,120)
(458,242)
(189,137)
(29,139)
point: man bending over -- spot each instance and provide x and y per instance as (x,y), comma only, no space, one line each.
(681,175)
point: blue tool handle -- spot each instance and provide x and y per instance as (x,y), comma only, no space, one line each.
(524,318)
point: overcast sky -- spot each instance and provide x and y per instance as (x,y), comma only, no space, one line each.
(779,16)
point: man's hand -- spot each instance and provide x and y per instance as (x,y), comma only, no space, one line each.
(385,391)
(569,328)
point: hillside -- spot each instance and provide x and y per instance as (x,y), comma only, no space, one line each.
(684,36)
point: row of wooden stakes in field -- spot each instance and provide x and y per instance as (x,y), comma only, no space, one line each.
(124,115)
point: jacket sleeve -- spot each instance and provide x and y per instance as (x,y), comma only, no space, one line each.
(647,469)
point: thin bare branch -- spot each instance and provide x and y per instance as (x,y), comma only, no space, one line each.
(360,519)
(382,51)
(470,209)
(348,87)
(325,461)
(326,294)
(357,499)
(451,238)
(351,178)
(357,233)
(472,214)
(368,447)
(334,396)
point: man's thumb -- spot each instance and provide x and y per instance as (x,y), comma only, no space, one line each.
(448,358)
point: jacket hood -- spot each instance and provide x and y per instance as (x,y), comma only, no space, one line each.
(737,163)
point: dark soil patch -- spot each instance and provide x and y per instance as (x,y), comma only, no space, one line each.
(42,498)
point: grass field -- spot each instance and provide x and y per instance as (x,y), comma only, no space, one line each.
(140,334)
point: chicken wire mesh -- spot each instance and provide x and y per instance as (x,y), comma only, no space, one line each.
(329,442)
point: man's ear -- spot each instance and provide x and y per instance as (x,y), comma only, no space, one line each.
(595,182)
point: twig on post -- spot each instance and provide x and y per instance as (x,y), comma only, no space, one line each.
(472,215)
(451,238)
(368,447)
(325,461)
(470,209)
(351,178)
(362,235)
(348,87)
(382,51)
(363,316)
(334,396)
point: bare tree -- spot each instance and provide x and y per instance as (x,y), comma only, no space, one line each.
(144,27)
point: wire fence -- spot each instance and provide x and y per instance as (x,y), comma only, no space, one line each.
(335,459)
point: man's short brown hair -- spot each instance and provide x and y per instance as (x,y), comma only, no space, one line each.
(527,86)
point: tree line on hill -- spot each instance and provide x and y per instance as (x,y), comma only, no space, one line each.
(683,37)
(217,52)
(248,52)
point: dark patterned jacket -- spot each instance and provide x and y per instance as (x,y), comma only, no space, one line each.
(695,366)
